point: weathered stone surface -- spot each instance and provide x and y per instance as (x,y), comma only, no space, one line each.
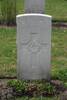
(33,46)
(34,6)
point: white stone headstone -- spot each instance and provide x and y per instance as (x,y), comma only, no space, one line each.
(33,46)
(34,6)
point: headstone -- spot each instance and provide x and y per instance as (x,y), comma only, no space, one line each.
(34,6)
(33,46)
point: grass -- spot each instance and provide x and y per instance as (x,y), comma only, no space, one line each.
(56,8)
(59,53)
(19,6)
(38,98)
(8,52)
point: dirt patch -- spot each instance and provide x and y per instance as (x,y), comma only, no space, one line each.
(63,96)
(6,93)
(60,24)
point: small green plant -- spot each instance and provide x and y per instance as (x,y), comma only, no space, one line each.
(47,88)
(17,85)
(65,85)
(31,88)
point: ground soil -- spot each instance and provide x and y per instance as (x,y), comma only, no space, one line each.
(6,92)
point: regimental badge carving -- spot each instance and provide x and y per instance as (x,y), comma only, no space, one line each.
(34,45)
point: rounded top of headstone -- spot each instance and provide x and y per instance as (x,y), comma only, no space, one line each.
(32,14)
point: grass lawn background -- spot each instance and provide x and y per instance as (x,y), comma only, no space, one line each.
(56,8)
(7,51)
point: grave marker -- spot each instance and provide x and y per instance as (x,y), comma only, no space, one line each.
(33,46)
